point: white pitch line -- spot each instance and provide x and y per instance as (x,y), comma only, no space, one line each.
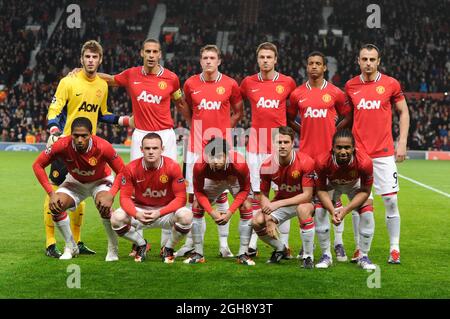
(425,186)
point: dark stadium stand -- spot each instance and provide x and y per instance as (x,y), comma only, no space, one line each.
(418,54)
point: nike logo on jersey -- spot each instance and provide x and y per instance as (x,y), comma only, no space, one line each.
(69,160)
(196,92)
(354,93)
(137,82)
(140,181)
(255,90)
(78,94)
(301,101)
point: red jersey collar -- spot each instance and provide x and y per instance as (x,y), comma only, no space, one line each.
(324,85)
(160,72)
(260,78)
(218,78)
(159,166)
(87,150)
(377,78)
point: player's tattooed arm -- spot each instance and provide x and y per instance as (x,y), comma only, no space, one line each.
(400,152)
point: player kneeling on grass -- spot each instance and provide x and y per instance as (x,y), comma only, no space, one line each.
(219,170)
(348,171)
(87,158)
(293,173)
(152,195)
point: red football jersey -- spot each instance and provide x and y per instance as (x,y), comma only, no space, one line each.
(360,167)
(150,96)
(210,102)
(157,187)
(319,109)
(268,104)
(291,178)
(235,169)
(84,167)
(372,113)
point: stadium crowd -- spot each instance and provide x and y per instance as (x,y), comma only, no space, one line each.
(417,54)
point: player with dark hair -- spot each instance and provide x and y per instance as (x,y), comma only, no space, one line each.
(349,171)
(293,173)
(81,95)
(87,158)
(153,194)
(221,169)
(319,104)
(372,96)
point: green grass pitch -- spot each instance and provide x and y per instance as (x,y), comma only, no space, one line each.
(25,272)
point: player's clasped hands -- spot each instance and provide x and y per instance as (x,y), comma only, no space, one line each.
(223,218)
(103,202)
(148,216)
(337,216)
(272,229)
(55,204)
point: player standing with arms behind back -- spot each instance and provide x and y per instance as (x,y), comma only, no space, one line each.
(319,104)
(372,95)
(267,91)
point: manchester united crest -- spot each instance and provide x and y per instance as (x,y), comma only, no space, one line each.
(163,178)
(220,90)
(353,174)
(55,174)
(92,161)
(162,85)
(380,89)
(295,174)
(98,93)
(326,98)
(279,89)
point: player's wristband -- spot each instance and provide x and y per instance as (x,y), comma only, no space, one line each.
(124,121)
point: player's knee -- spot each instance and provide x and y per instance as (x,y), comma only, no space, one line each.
(246,210)
(258,221)
(305,211)
(366,224)
(391,205)
(184,216)
(119,218)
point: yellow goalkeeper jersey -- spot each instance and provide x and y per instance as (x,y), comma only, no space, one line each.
(78,96)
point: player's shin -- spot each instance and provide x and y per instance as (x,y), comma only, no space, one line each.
(178,231)
(366,229)
(197,234)
(307,229)
(392,220)
(275,243)
(165,236)
(322,222)
(339,229)
(355,222)
(62,222)
(284,229)
(245,229)
(224,230)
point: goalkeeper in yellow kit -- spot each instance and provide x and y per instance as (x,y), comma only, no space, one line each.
(82,95)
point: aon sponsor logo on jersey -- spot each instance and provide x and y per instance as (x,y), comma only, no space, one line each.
(83,173)
(316,113)
(154,193)
(87,107)
(149,98)
(267,103)
(209,105)
(290,188)
(369,104)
